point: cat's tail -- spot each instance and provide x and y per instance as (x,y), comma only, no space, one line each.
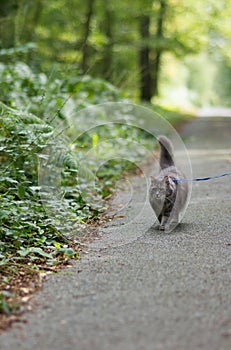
(166,152)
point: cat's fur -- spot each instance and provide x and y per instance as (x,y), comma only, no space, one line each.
(168,198)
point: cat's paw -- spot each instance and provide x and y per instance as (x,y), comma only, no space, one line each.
(156,227)
(167,228)
(170,227)
(162,227)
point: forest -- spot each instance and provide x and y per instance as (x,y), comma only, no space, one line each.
(165,48)
(60,57)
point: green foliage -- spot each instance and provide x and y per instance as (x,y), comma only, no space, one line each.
(23,221)
(5,307)
(50,35)
(28,91)
(222,83)
(28,230)
(87,91)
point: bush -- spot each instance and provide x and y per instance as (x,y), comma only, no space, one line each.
(24,223)
(33,92)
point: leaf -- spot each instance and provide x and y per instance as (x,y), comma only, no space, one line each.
(21,191)
(3,214)
(8,179)
(39,251)
(95,139)
(57,245)
(4,261)
(4,306)
(68,252)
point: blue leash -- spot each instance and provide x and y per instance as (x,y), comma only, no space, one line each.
(201,178)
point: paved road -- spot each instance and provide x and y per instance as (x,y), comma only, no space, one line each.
(139,289)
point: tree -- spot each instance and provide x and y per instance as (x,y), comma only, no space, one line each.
(151,48)
(107,29)
(8,11)
(145,66)
(86,33)
(159,38)
(125,42)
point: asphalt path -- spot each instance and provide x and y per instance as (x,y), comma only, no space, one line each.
(138,289)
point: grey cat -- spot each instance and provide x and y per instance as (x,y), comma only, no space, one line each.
(167,197)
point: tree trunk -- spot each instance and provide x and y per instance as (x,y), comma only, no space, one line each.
(145,68)
(86,33)
(8,10)
(27,20)
(156,64)
(108,31)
